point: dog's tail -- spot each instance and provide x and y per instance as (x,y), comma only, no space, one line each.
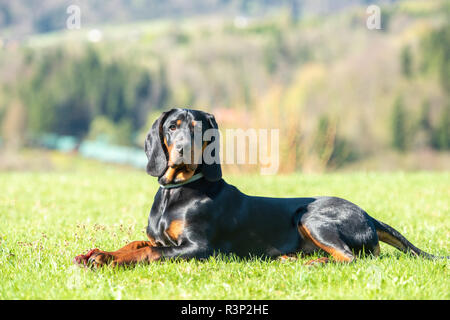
(392,237)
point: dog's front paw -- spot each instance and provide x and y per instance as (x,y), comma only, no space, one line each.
(101,258)
(95,258)
(82,259)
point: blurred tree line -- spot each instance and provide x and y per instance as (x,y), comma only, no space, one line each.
(435,58)
(281,72)
(88,95)
(42,16)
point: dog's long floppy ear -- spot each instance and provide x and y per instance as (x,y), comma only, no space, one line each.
(212,172)
(156,154)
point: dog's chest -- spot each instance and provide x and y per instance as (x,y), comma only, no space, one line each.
(166,232)
(164,226)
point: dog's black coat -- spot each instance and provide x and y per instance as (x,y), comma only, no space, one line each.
(217,218)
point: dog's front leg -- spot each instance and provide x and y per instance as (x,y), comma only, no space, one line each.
(121,257)
(145,254)
(83,259)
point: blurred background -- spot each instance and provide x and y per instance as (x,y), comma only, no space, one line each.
(343,97)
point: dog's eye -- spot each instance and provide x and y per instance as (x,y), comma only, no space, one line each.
(172,127)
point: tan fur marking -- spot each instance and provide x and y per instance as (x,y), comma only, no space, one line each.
(386,237)
(170,173)
(178,122)
(167,146)
(169,150)
(184,175)
(337,255)
(175,229)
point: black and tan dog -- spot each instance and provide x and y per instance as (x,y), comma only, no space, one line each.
(196,214)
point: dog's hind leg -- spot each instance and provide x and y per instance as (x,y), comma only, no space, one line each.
(328,241)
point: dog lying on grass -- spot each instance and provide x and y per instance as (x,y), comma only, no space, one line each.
(196,214)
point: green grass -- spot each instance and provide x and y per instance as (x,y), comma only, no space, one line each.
(48,218)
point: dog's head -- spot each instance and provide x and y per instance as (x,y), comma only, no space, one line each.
(174,149)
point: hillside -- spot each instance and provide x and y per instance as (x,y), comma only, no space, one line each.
(338,92)
(19,19)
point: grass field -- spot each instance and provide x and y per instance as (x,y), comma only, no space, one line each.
(48,218)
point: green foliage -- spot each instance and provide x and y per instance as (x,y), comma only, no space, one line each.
(181,38)
(437,135)
(436,54)
(406,61)
(386,17)
(324,140)
(66,92)
(343,152)
(424,120)
(441,134)
(399,126)
(424,124)
(104,129)
(331,148)
(50,20)
(270,53)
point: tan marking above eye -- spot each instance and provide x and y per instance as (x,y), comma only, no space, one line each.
(178,122)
